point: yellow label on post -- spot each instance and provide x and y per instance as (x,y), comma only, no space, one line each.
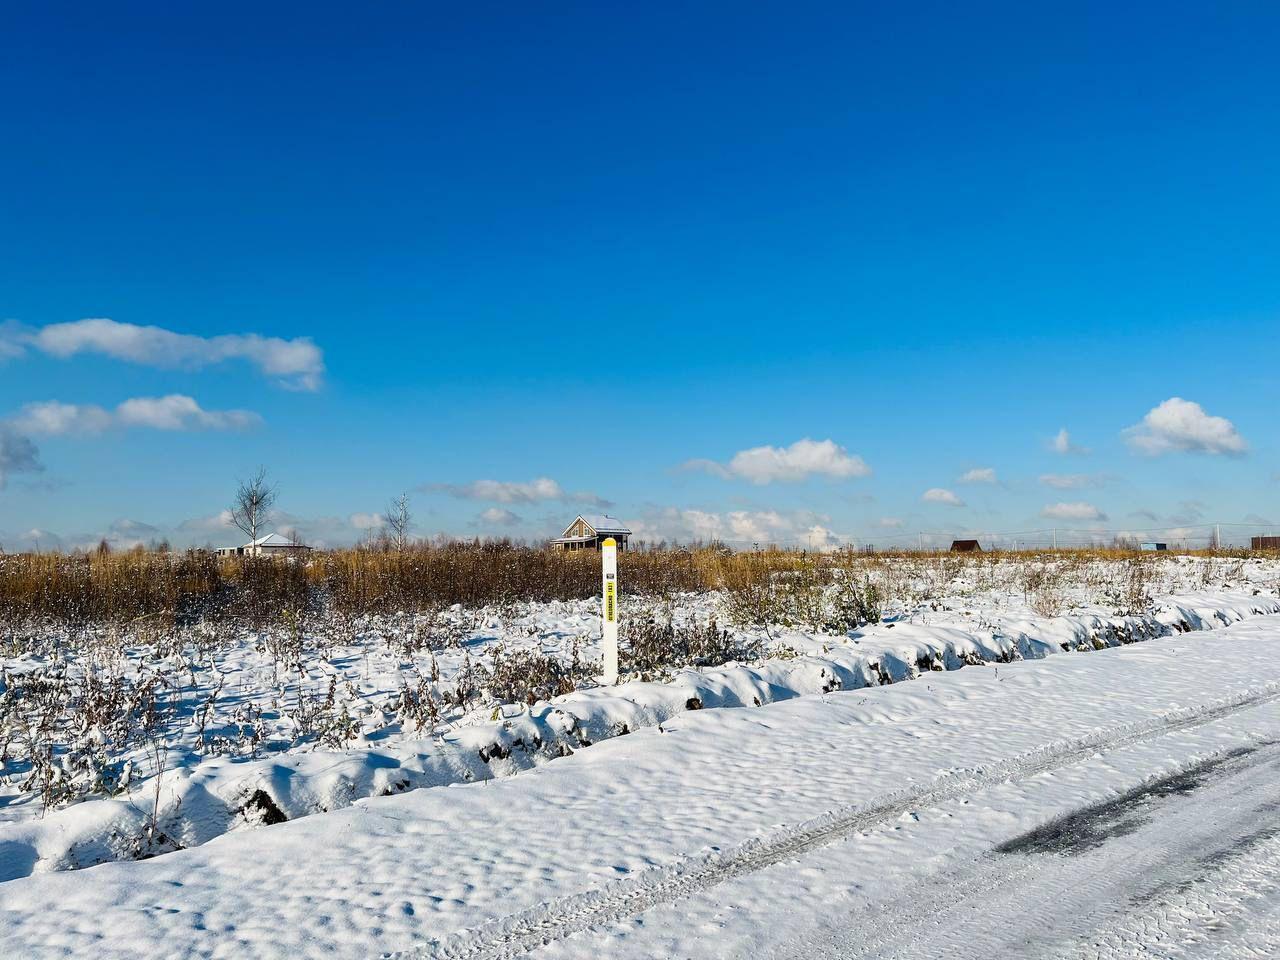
(609,611)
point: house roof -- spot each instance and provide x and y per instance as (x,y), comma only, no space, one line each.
(602,523)
(272,540)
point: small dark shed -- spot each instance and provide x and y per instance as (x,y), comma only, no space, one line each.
(1265,543)
(966,546)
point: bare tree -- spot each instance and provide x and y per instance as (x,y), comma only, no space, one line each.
(399,520)
(254,500)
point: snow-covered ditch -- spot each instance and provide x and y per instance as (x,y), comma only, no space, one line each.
(200,800)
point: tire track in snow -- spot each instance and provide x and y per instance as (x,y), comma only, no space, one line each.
(515,935)
(1181,839)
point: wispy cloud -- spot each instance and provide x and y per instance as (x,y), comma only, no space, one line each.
(802,459)
(216,523)
(1072,511)
(1063,444)
(978,475)
(173,412)
(539,490)
(298,364)
(1181,425)
(941,495)
(498,517)
(1072,481)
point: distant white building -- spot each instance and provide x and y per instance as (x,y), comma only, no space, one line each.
(272,545)
(590,532)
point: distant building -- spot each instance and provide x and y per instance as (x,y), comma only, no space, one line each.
(272,545)
(589,533)
(1264,543)
(1153,545)
(966,546)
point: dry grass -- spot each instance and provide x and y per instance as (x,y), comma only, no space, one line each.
(165,590)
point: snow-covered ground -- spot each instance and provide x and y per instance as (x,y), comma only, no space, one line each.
(778,830)
(712,832)
(250,740)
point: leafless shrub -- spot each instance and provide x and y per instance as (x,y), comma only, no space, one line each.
(851,604)
(416,705)
(527,676)
(652,643)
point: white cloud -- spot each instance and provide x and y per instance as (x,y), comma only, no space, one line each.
(366,521)
(739,528)
(173,412)
(178,412)
(755,524)
(1062,443)
(978,475)
(939,495)
(497,516)
(218,522)
(52,418)
(214,530)
(539,490)
(543,488)
(1072,511)
(889,523)
(318,531)
(804,458)
(1071,481)
(1179,424)
(298,363)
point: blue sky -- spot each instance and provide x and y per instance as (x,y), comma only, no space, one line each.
(590,245)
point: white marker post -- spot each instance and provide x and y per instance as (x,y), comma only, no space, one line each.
(609,611)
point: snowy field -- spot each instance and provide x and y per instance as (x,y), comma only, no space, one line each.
(606,836)
(254,728)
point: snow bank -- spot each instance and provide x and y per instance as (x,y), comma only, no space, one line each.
(191,805)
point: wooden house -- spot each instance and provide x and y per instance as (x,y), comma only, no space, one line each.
(590,532)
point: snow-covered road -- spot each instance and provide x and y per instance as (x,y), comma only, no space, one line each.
(875,822)
(1187,865)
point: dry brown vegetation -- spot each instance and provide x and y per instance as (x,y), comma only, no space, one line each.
(765,587)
